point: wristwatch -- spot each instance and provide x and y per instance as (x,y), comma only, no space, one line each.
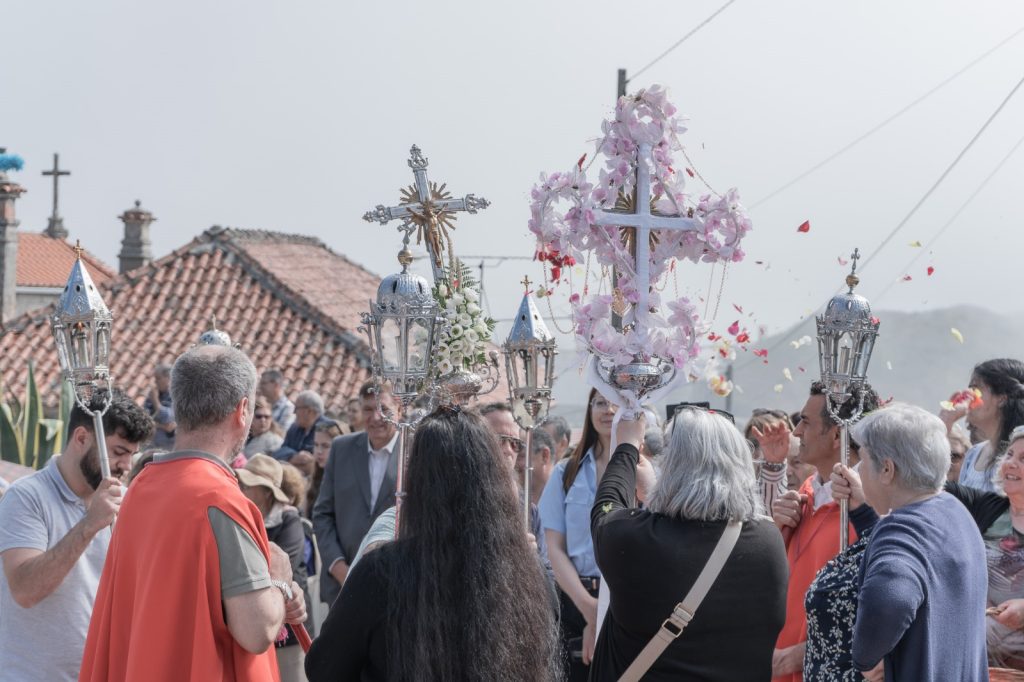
(285,588)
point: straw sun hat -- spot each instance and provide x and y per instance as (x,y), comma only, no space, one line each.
(265,471)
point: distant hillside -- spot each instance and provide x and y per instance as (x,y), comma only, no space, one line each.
(927,362)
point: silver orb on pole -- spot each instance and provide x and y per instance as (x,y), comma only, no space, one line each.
(81,329)
(403,327)
(846,337)
(529,366)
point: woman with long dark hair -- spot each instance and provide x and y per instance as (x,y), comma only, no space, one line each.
(459,595)
(565,515)
(1001,383)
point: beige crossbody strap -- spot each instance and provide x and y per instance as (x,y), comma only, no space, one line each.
(683,612)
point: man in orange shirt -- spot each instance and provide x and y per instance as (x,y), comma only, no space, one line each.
(808,518)
(191,588)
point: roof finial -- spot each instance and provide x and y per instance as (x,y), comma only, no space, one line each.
(526,283)
(78,249)
(852,280)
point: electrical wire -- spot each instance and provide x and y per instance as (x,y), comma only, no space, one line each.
(886,122)
(948,223)
(784,336)
(680,41)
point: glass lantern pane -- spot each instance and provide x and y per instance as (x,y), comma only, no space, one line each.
(81,348)
(419,344)
(548,356)
(529,368)
(102,346)
(844,364)
(390,345)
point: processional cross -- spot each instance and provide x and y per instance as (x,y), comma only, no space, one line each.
(429,209)
(640,223)
(55,226)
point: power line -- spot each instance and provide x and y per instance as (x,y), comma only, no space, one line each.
(942,177)
(956,215)
(784,336)
(682,40)
(886,122)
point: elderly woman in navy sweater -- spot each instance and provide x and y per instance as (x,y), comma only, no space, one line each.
(923,577)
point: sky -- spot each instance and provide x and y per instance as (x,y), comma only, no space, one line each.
(298,117)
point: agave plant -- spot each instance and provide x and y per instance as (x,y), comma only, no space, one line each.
(27,437)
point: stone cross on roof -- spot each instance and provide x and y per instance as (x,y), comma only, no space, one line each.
(55,227)
(428,208)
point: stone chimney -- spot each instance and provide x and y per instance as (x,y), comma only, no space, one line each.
(135,251)
(9,193)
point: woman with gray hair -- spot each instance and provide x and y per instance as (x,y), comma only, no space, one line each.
(651,558)
(923,577)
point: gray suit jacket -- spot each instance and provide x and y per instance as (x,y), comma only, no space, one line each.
(342,513)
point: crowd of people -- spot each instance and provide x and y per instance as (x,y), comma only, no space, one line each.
(241,518)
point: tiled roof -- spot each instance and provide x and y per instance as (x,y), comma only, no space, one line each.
(45,262)
(290,301)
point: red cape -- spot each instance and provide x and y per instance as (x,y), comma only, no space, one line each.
(158,615)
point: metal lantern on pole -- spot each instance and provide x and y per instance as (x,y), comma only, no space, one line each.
(403,326)
(81,329)
(530,367)
(846,337)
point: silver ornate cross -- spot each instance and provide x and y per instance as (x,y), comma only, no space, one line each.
(429,209)
(643,222)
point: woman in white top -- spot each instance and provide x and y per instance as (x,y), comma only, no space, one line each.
(1001,383)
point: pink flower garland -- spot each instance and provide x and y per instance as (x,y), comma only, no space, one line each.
(562,218)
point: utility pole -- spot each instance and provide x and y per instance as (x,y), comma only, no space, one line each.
(620,91)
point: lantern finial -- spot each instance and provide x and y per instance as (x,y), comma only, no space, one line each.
(852,280)
(78,249)
(526,283)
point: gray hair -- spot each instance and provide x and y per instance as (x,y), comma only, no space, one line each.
(540,439)
(997,469)
(914,439)
(560,427)
(706,471)
(207,383)
(310,399)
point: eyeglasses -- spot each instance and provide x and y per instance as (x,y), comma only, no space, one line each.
(261,416)
(517,443)
(600,405)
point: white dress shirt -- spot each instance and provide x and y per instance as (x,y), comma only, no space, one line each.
(379,467)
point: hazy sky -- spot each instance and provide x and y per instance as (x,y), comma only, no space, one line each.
(299,116)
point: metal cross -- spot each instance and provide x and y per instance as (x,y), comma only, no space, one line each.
(526,283)
(429,209)
(55,227)
(642,221)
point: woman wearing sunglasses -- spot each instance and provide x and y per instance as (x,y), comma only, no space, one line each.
(565,515)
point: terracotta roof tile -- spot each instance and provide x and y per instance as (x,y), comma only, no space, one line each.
(161,309)
(45,262)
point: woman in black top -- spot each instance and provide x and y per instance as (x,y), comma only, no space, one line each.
(460,595)
(650,558)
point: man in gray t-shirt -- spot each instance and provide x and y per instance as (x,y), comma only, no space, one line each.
(54,533)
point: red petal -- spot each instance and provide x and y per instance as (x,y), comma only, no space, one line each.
(734,328)
(761,352)
(805,226)
(743,338)
(579,164)
(906,278)
(930,270)
(738,308)
(689,172)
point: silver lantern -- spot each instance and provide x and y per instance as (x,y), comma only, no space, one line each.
(215,337)
(81,329)
(846,337)
(530,367)
(403,326)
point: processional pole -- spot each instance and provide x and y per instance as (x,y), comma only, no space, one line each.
(530,367)
(846,336)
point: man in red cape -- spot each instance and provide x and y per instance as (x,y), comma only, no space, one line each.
(191,588)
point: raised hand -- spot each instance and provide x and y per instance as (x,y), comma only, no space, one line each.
(773,441)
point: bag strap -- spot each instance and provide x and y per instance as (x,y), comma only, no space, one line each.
(683,612)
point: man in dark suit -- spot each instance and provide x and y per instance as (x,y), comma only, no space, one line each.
(358,484)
